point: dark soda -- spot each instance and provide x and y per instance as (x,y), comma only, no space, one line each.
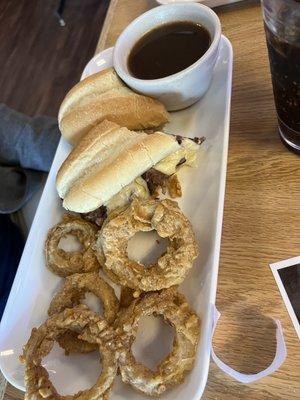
(284,58)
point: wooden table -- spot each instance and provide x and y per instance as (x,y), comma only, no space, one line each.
(261,218)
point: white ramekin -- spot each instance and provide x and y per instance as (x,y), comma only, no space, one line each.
(185,87)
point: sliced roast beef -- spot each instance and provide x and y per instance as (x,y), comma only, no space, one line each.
(155,180)
(97,216)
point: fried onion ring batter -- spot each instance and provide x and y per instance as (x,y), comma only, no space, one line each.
(40,343)
(65,263)
(167,219)
(172,370)
(71,294)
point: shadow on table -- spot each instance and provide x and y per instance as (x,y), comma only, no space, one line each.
(245,339)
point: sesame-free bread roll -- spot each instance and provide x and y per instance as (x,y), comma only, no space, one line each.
(99,146)
(121,106)
(104,96)
(102,182)
(95,84)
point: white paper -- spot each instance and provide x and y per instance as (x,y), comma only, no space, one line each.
(275,267)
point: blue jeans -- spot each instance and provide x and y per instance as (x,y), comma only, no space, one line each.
(11,247)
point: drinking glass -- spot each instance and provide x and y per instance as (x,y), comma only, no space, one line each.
(282,27)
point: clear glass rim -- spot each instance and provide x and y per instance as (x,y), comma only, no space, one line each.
(273,19)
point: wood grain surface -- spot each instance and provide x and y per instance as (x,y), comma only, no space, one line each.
(40,60)
(261,216)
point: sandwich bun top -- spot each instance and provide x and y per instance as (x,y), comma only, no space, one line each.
(104,96)
(98,83)
(95,148)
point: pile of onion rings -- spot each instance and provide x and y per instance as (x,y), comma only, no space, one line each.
(151,291)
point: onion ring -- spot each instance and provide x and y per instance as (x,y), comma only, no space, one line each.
(167,219)
(40,343)
(172,370)
(65,263)
(71,294)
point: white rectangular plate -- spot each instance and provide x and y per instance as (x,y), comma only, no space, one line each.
(202,202)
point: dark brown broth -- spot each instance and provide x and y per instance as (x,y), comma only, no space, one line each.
(168,49)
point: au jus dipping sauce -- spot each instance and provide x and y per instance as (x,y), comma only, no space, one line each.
(168,49)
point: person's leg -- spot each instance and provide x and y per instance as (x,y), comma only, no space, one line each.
(28,142)
(27,147)
(11,247)
(18,185)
